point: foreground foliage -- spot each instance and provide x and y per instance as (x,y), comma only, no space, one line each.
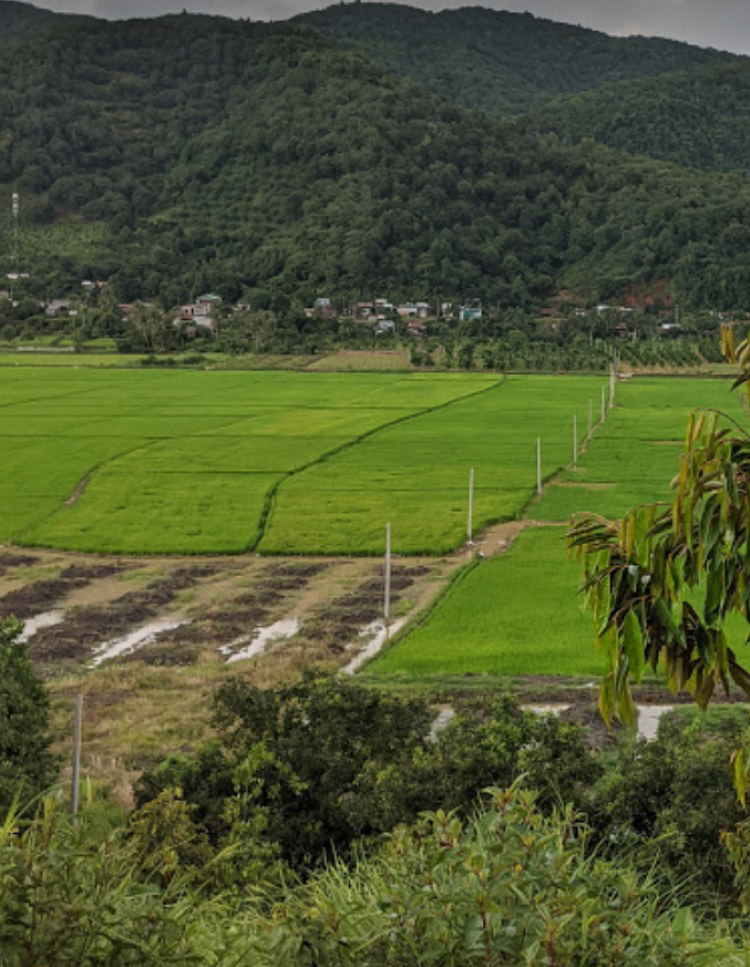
(664,581)
(510,886)
(27,764)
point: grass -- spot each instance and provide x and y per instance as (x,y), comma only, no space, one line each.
(634,456)
(180,462)
(517,614)
(189,461)
(415,474)
(162,461)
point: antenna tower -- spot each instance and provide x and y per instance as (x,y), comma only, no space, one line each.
(14,256)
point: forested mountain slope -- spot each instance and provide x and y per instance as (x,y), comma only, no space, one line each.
(191,153)
(17,19)
(497,61)
(698,119)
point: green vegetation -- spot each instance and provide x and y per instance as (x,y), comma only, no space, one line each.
(512,615)
(653,117)
(415,474)
(495,61)
(495,864)
(665,583)
(138,461)
(185,154)
(27,766)
(635,455)
(517,614)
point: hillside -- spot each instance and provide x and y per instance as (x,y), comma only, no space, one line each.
(697,119)
(666,100)
(189,153)
(495,61)
(17,19)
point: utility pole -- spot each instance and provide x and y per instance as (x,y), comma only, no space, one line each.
(387,601)
(76,779)
(15,205)
(470,518)
(539,465)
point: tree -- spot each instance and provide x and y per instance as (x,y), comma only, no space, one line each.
(663,581)
(27,767)
(150,324)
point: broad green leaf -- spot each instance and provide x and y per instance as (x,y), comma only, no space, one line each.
(633,646)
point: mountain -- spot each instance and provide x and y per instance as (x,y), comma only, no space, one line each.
(698,118)
(499,62)
(660,98)
(17,19)
(186,154)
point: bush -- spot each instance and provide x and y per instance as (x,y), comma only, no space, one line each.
(27,766)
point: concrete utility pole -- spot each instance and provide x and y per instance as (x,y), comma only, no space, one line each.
(76,780)
(387,601)
(470,519)
(538,465)
(590,427)
(612,387)
(604,404)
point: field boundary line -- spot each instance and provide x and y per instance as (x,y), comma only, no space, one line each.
(455,578)
(269,502)
(74,496)
(418,620)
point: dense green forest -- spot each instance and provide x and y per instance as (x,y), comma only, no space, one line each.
(495,61)
(17,19)
(698,119)
(190,154)
(650,96)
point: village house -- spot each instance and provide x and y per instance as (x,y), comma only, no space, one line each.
(55,308)
(470,313)
(413,310)
(322,308)
(201,313)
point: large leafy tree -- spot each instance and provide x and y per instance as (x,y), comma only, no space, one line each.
(663,581)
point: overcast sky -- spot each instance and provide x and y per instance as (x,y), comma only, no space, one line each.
(724,24)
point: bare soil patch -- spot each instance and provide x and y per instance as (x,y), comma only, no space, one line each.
(83,629)
(9,562)
(42,595)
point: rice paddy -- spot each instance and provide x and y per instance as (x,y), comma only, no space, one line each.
(520,614)
(127,461)
(187,462)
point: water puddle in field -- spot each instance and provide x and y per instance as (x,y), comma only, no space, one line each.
(648,716)
(45,620)
(554,708)
(259,641)
(440,721)
(380,634)
(648,720)
(135,639)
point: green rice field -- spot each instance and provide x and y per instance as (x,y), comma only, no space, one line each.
(634,455)
(283,462)
(517,614)
(131,461)
(520,614)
